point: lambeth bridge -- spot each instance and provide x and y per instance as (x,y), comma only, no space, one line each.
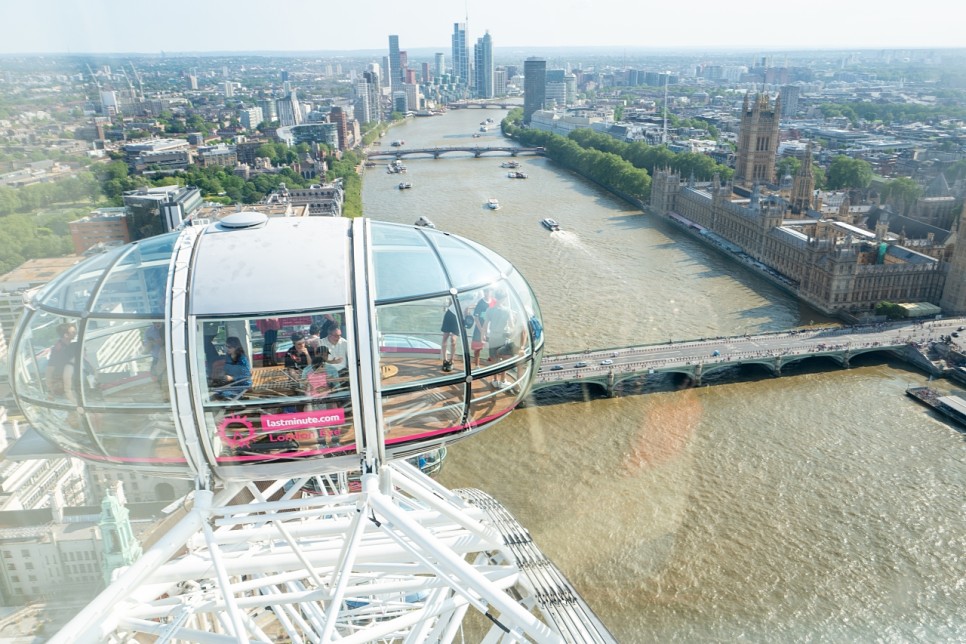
(476,150)
(481,105)
(697,359)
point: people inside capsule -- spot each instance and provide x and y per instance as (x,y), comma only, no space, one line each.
(60,354)
(236,371)
(297,358)
(337,348)
(286,411)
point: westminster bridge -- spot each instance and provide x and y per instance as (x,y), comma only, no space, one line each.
(476,150)
(697,359)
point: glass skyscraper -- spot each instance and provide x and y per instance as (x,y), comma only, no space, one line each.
(395,63)
(461,57)
(483,62)
(534,86)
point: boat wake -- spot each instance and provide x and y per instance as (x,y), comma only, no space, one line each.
(571,241)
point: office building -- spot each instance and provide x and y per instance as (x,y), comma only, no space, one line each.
(327,133)
(322,200)
(395,71)
(250,117)
(483,66)
(439,64)
(289,110)
(269,110)
(338,116)
(499,82)
(221,155)
(152,211)
(790,95)
(103,227)
(534,86)
(367,104)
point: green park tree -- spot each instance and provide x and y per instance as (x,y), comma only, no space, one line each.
(846,172)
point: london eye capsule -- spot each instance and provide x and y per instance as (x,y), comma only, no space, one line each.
(261,348)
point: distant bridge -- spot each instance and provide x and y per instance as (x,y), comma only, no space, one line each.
(465,105)
(608,368)
(476,150)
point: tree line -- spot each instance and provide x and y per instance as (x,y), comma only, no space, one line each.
(624,167)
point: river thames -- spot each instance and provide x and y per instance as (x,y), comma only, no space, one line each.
(823,506)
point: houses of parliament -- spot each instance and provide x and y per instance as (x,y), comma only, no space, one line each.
(840,260)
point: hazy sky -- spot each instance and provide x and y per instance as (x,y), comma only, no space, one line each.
(298,25)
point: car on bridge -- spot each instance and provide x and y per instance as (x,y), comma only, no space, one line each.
(606,362)
(715,353)
(556,367)
(580,364)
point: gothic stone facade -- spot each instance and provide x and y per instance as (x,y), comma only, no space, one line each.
(832,268)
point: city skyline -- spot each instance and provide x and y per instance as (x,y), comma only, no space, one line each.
(112,26)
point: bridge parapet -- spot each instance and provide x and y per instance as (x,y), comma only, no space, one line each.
(774,351)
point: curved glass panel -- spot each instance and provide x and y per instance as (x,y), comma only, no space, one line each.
(501,264)
(404,264)
(420,342)
(530,307)
(142,438)
(419,415)
(73,434)
(505,327)
(495,396)
(45,347)
(466,266)
(75,288)
(474,305)
(125,363)
(136,283)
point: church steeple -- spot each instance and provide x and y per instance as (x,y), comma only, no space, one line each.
(804,185)
(120,546)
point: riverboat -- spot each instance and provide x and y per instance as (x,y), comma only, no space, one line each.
(405,185)
(517,175)
(510,164)
(397,144)
(425,222)
(493,204)
(550,224)
(952,407)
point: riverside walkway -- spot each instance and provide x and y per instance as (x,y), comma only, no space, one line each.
(608,368)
